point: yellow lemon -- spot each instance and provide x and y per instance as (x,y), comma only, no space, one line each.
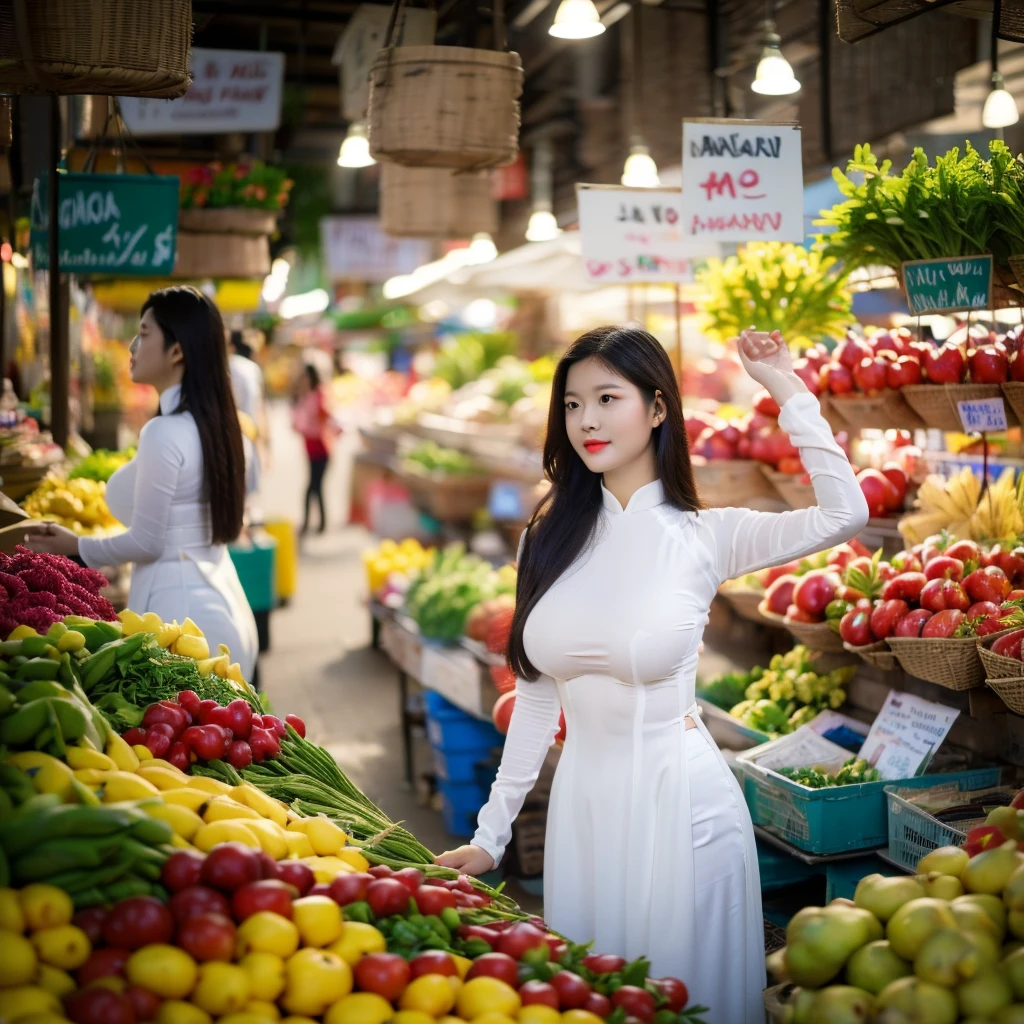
(449,1019)
(417,1017)
(303,1020)
(177,1011)
(45,906)
(580,1017)
(221,988)
(360,1008)
(266,932)
(268,1011)
(54,980)
(487,995)
(462,965)
(319,920)
(26,999)
(266,975)
(430,993)
(358,939)
(12,918)
(539,1014)
(324,836)
(18,960)
(166,971)
(65,946)
(245,1017)
(494,1018)
(316,980)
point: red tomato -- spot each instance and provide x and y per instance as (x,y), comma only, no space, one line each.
(91,922)
(101,964)
(674,991)
(296,723)
(99,1006)
(138,921)
(430,899)
(479,931)
(495,965)
(599,1004)
(198,899)
(294,872)
(229,866)
(538,993)
(266,894)
(434,961)
(411,878)
(521,938)
(388,896)
(182,869)
(637,1002)
(208,937)
(386,974)
(380,871)
(144,1002)
(346,889)
(572,990)
(190,701)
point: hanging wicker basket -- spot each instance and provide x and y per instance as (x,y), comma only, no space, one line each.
(998,666)
(936,404)
(876,654)
(1010,692)
(104,47)
(952,662)
(1013,392)
(888,410)
(745,602)
(233,220)
(816,636)
(215,255)
(436,202)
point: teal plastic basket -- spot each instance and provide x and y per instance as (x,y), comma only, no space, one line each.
(254,564)
(914,832)
(840,818)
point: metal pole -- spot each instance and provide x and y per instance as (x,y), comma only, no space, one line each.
(59,350)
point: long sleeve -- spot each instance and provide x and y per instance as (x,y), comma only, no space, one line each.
(530,735)
(159,462)
(748,540)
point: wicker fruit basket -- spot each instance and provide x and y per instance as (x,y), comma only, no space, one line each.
(887,410)
(724,482)
(790,488)
(1013,392)
(816,636)
(435,202)
(876,654)
(936,404)
(953,662)
(1010,692)
(745,602)
(228,220)
(448,498)
(998,666)
(216,255)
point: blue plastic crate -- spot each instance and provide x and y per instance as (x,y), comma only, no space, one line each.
(838,819)
(461,766)
(778,870)
(460,804)
(843,876)
(454,731)
(254,564)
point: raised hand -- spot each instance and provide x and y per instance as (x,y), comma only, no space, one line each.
(767,359)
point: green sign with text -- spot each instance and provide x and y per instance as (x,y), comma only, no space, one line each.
(116,225)
(948,285)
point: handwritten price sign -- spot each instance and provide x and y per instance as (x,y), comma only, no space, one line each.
(743,181)
(948,285)
(634,235)
(982,416)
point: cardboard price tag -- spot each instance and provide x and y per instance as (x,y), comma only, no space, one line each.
(905,735)
(983,415)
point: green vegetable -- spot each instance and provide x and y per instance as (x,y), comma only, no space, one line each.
(429,456)
(853,772)
(101,464)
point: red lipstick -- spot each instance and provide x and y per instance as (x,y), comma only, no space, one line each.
(595,446)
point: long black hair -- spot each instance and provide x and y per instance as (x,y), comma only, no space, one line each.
(186,316)
(563,523)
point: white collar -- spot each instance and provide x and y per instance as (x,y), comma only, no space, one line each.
(170,399)
(649,496)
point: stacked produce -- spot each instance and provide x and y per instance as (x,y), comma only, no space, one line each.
(852,773)
(390,566)
(939,947)
(429,457)
(101,465)
(77,504)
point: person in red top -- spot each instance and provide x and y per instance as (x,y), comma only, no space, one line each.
(313,421)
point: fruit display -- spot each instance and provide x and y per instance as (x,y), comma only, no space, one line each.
(942,946)
(465,357)
(429,457)
(390,566)
(452,583)
(101,464)
(76,503)
(41,589)
(852,773)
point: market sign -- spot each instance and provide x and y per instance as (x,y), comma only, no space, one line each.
(948,285)
(743,181)
(357,249)
(635,236)
(114,225)
(231,91)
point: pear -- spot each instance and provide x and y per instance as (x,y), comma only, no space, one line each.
(941,887)
(884,896)
(988,872)
(914,922)
(820,940)
(1012,1014)
(984,994)
(970,917)
(992,905)
(920,1002)
(776,965)
(1008,820)
(799,1006)
(1013,892)
(947,860)
(874,966)
(841,1004)
(949,957)
(1013,968)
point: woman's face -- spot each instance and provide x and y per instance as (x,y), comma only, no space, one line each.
(151,362)
(607,418)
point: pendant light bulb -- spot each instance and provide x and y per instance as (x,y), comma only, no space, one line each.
(482,249)
(640,170)
(774,76)
(542,227)
(355,150)
(1000,107)
(576,19)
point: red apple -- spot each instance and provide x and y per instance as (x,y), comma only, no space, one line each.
(989,584)
(1017,366)
(953,597)
(946,365)
(894,473)
(809,374)
(885,616)
(944,568)
(838,379)
(779,596)
(878,491)
(905,371)
(942,624)
(766,405)
(905,587)
(905,561)
(815,591)
(965,550)
(870,375)
(988,365)
(913,622)
(983,610)
(851,352)
(855,627)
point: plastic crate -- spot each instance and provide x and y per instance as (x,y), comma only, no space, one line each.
(838,819)
(914,832)
(453,731)
(460,804)
(462,766)
(254,564)
(842,877)
(778,870)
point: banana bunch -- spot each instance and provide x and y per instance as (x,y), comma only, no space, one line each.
(943,505)
(79,504)
(998,516)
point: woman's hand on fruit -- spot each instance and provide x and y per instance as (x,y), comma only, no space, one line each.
(51,539)
(767,359)
(467,860)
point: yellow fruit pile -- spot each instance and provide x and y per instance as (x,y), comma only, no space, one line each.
(80,505)
(407,558)
(39,946)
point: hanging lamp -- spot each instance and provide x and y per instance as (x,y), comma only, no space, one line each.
(774,75)
(640,170)
(355,149)
(576,19)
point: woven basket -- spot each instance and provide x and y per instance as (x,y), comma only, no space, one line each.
(1010,692)
(888,410)
(952,662)
(936,403)
(435,202)
(790,488)
(1013,392)
(998,666)
(107,47)
(449,499)
(210,255)
(876,654)
(229,220)
(828,411)
(745,603)
(770,617)
(445,106)
(816,636)
(1014,281)
(723,482)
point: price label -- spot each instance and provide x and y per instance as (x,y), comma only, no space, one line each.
(948,285)
(905,735)
(984,415)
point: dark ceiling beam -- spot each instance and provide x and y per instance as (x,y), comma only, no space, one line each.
(253,10)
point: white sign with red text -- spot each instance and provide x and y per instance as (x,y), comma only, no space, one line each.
(743,181)
(231,91)
(634,235)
